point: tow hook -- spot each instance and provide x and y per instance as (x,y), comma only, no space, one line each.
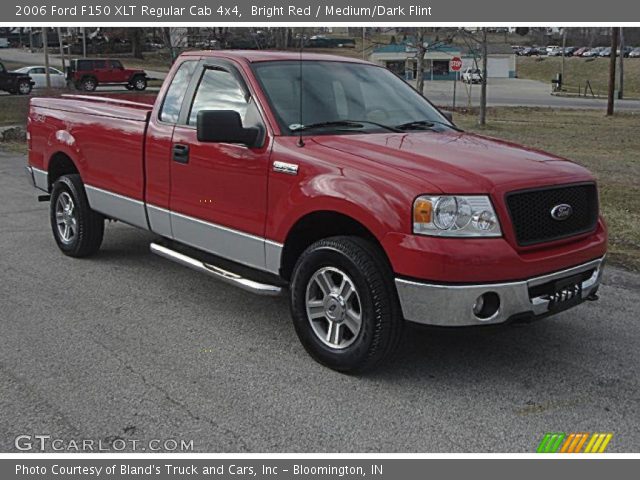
(44,198)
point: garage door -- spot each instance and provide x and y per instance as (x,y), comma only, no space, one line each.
(498,67)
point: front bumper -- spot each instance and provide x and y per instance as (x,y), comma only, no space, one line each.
(453,305)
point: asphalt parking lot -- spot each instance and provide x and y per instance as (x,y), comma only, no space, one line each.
(128,345)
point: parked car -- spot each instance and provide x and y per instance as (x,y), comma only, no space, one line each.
(555,52)
(635,53)
(87,73)
(626,50)
(605,52)
(593,52)
(4,42)
(39,76)
(357,198)
(15,83)
(580,51)
(472,75)
(553,48)
(569,51)
(527,52)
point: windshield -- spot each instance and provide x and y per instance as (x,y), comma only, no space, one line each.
(342,97)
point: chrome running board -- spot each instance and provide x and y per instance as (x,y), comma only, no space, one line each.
(216,272)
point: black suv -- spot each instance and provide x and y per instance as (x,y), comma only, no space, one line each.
(15,83)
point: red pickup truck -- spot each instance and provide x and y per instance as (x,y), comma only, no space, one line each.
(330,179)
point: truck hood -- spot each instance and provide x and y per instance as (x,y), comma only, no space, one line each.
(459,162)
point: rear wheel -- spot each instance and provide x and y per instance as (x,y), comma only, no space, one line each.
(77,229)
(344,304)
(24,87)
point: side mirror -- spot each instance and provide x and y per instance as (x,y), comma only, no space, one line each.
(447,114)
(224,126)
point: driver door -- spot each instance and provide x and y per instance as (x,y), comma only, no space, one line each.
(218,195)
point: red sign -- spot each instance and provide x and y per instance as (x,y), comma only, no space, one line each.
(455,64)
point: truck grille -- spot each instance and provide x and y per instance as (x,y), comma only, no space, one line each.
(533,223)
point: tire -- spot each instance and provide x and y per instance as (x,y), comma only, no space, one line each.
(88,84)
(86,227)
(139,83)
(334,337)
(24,87)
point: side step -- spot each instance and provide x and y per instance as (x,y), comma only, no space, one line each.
(216,272)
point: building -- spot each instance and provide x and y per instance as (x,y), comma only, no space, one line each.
(400,58)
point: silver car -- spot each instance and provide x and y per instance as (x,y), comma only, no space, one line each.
(38,75)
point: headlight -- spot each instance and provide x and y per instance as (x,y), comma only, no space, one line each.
(455,216)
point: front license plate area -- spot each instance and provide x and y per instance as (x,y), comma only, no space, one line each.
(565,293)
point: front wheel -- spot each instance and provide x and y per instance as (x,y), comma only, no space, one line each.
(344,304)
(77,229)
(88,84)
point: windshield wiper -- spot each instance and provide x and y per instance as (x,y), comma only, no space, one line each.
(422,125)
(342,124)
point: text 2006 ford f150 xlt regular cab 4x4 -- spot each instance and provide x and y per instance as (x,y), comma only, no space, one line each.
(365,203)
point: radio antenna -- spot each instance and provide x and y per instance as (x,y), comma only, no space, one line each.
(300,139)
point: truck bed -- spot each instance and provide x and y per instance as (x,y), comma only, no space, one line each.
(105,135)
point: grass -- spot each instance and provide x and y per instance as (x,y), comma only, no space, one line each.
(13,110)
(578,71)
(609,147)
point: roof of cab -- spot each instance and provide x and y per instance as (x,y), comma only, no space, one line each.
(253,56)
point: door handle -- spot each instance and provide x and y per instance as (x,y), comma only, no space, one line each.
(181,153)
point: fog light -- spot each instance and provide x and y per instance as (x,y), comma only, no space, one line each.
(486,305)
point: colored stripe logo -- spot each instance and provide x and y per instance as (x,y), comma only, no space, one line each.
(574,442)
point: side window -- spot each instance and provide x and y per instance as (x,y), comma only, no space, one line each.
(84,65)
(37,70)
(175,94)
(218,90)
(99,64)
(116,65)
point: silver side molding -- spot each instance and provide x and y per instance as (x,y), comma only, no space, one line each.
(116,206)
(216,272)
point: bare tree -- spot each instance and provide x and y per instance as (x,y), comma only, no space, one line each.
(136,37)
(421,50)
(483,44)
(482,119)
(612,69)
(45,47)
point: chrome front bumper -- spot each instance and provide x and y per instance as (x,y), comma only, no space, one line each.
(453,305)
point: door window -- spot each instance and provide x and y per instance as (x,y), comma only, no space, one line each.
(175,94)
(219,90)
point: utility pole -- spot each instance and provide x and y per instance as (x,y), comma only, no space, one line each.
(564,46)
(45,48)
(482,120)
(621,81)
(84,42)
(64,65)
(612,69)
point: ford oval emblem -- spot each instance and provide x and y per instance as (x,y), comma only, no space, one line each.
(561,212)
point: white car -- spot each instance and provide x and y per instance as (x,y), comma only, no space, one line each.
(472,75)
(38,75)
